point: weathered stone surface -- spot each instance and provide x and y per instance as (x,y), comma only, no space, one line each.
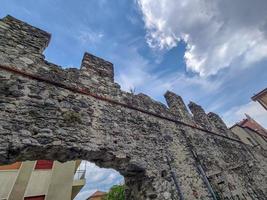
(47,112)
(95,66)
(177,107)
(200,116)
(217,121)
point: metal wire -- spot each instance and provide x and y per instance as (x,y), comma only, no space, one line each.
(85,91)
(181,197)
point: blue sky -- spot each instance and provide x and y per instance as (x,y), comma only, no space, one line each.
(210,52)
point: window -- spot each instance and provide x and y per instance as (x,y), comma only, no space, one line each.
(42,197)
(44,164)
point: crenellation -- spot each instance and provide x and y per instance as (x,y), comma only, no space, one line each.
(177,106)
(95,66)
(145,102)
(200,117)
(23,36)
(217,121)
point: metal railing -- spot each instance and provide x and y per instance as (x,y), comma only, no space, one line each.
(80,172)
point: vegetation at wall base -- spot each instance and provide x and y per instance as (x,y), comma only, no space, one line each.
(117,192)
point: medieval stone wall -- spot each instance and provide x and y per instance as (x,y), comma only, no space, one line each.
(164,152)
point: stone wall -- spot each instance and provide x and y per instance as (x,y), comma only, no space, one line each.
(47,112)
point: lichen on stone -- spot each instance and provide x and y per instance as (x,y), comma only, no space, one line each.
(72,117)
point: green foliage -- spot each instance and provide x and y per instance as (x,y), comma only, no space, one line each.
(72,117)
(117,192)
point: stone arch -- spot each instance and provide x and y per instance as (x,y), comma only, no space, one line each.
(134,175)
(64,114)
(57,114)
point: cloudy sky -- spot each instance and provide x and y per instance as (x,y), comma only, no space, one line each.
(97,179)
(213,52)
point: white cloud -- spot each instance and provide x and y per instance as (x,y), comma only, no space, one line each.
(254,109)
(98,179)
(137,75)
(217,33)
(90,37)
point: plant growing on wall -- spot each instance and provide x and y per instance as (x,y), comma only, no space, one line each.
(117,192)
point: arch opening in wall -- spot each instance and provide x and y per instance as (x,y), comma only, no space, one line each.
(49,178)
(98,181)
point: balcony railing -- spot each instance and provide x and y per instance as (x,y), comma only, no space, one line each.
(80,172)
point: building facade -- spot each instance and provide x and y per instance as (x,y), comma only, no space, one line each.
(261,97)
(98,195)
(250,132)
(41,180)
